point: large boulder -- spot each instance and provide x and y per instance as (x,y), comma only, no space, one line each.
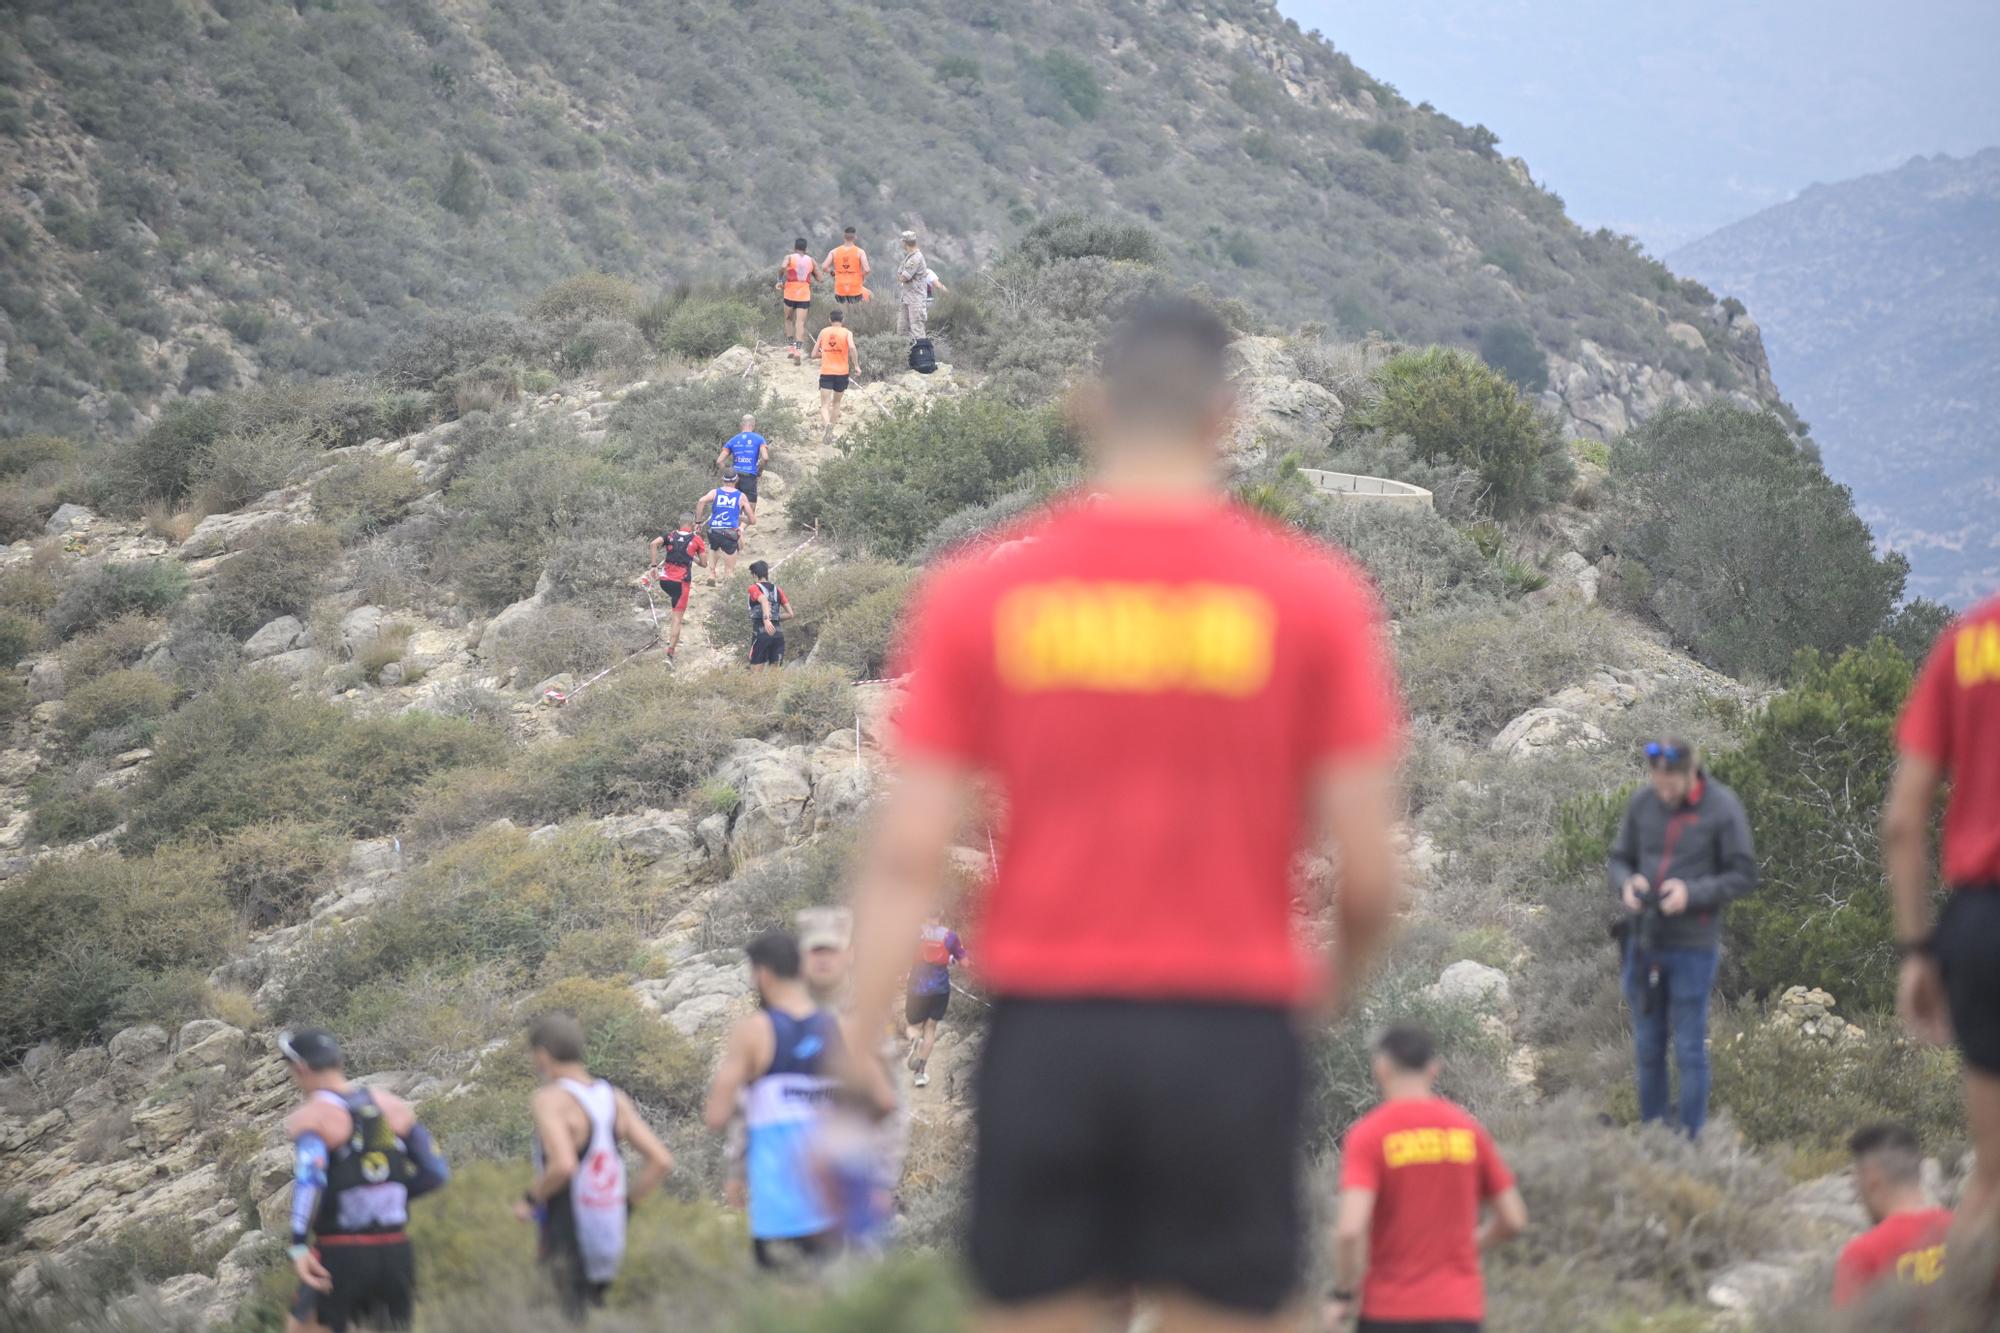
(45,681)
(1544,730)
(663,839)
(219,534)
(240,1271)
(1470,985)
(139,1045)
(700,992)
(280,636)
(66,517)
(773,787)
(501,639)
(361,627)
(841,781)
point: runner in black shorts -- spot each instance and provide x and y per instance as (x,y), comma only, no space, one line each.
(725,512)
(1141,1086)
(919,1009)
(769,610)
(675,554)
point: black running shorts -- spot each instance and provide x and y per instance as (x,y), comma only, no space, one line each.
(790,304)
(723,540)
(1968,953)
(798,1253)
(746,482)
(848,300)
(576,1294)
(677,590)
(767,649)
(837,383)
(920,1008)
(1149,1143)
(373,1286)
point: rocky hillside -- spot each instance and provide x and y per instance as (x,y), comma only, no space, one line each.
(1879,300)
(204,192)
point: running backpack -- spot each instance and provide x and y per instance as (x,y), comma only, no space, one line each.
(676,555)
(923,356)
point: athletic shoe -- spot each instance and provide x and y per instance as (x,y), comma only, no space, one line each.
(922,1079)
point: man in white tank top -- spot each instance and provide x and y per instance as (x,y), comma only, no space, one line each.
(580,1194)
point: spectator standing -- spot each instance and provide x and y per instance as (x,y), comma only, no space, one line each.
(912,290)
(1683,853)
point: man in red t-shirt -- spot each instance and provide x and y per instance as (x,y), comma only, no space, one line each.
(1951,730)
(1166,733)
(1907,1240)
(1413,1174)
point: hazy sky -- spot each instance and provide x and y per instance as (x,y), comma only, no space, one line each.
(1670,118)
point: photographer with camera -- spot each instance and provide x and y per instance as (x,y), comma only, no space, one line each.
(1682,854)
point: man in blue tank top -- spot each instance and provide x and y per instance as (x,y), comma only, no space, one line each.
(785,1066)
(726,511)
(746,452)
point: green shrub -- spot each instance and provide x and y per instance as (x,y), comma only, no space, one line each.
(362,496)
(587,296)
(425,360)
(249,751)
(821,594)
(67,813)
(208,367)
(270,873)
(1585,828)
(1418,561)
(161,463)
(21,455)
(1454,409)
(115,699)
(1388,140)
(689,420)
(860,638)
(1754,551)
(702,327)
(495,898)
(628,1044)
(19,636)
(115,644)
(279,572)
(1785,1089)
(77,936)
(1475,670)
(15,1215)
(238,468)
(1512,349)
(916,465)
(1812,774)
(99,593)
(1071,80)
(1076,234)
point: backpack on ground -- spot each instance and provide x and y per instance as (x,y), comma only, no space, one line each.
(923,356)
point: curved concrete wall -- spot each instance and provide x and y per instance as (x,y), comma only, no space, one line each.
(1377,490)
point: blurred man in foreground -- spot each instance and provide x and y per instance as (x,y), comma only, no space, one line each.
(1166,737)
(1414,1174)
(1951,971)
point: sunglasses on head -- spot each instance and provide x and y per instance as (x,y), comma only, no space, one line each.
(1659,752)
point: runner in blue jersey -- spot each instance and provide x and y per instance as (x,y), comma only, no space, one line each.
(785,1065)
(726,511)
(746,452)
(929,992)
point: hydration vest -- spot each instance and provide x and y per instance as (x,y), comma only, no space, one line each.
(588,1214)
(846,270)
(676,553)
(728,511)
(934,946)
(798,277)
(368,1175)
(784,1111)
(770,595)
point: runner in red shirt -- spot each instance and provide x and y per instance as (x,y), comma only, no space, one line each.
(1907,1241)
(1413,1174)
(1951,729)
(1166,733)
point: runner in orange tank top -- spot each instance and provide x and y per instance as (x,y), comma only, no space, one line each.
(849,265)
(796,280)
(838,360)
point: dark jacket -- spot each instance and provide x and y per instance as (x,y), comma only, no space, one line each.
(1705,843)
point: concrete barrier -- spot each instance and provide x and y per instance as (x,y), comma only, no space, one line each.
(1376,490)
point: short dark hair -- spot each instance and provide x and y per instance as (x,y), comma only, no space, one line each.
(759,568)
(729,477)
(558,1036)
(799,243)
(1165,360)
(1408,1047)
(1893,1147)
(777,952)
(847,231)
(837,316)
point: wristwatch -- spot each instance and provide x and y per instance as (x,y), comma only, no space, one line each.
(298,1252)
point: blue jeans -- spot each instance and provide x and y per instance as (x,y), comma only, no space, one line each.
(1678,1008)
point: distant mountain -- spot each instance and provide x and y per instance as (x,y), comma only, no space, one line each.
(1879,302)
(201,192)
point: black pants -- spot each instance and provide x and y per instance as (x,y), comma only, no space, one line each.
(1139,1143)
(767,649)
(373,1285)
(1968,954)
